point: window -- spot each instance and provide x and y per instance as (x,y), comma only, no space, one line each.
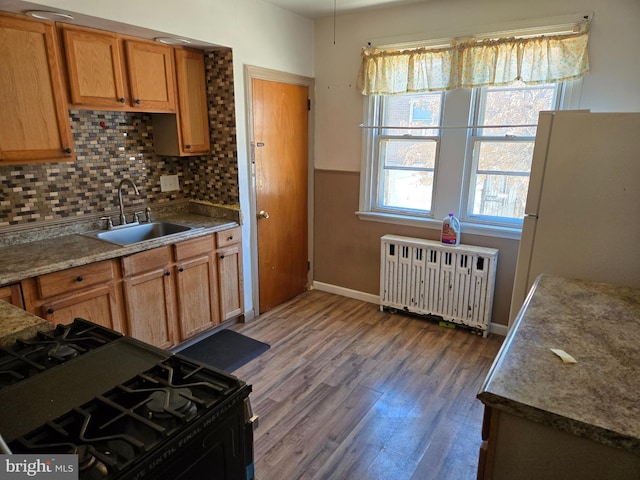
(407,157)
(500,157)
(467,151)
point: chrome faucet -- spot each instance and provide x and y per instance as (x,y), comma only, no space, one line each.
(123,220)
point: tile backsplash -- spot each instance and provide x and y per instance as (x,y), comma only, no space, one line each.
(111,146)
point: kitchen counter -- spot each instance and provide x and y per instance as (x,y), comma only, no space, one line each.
(16,324)
(54,253)
(596,398)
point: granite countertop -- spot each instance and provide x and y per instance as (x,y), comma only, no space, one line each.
(49,254)
(597,397)
(16,324)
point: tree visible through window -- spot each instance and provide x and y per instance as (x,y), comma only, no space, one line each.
(501,156)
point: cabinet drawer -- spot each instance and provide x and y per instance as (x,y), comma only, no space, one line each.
(74,279)
(193,248)
(228,237)
(146,261)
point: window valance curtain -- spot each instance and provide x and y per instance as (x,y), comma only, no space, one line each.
(535,60)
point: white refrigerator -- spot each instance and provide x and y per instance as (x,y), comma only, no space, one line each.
(582,216)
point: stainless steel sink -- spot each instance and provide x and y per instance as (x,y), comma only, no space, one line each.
(130,234)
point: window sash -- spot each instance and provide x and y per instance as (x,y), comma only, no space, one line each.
(385,169)
(476,138)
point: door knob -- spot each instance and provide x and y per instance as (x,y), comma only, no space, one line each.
(263,214)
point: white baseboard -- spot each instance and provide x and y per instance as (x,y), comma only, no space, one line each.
(368,297)
(347,292)
(498,329)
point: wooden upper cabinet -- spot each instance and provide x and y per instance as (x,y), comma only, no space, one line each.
(94,67)
(192,95)
(186,133)
(113,72)
(151,77)
(34,117)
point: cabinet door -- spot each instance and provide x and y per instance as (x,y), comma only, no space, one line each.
(12,294)
(98,305)
(229,262)
(151,78)
(34,118)
(193,113)
(197,296)
(150,307)
(94,68)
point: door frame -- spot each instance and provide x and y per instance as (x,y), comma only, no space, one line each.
(252,72)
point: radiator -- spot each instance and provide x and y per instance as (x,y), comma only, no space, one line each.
(426,277)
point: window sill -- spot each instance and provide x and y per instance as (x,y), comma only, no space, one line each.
(511,233)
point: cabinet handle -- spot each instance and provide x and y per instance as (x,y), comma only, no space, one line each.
(79,279)
(230,238)
(181,269)
(138,102)
(167,274)
(50,311)
(67,150)
(221,257)
(188,146)
(121,99)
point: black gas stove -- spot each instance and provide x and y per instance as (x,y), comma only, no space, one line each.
(127,409)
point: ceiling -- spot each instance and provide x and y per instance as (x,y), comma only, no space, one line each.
(325,8)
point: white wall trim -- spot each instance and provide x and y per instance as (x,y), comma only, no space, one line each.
(347,292)
(498,329)
(368,297)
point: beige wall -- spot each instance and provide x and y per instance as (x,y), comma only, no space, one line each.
(347,249)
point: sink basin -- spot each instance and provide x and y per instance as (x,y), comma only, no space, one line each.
(139,232)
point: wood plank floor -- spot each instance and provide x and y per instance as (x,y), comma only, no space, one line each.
(349,392)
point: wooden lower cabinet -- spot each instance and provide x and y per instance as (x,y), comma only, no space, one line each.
(12,294)
(90,292)
(515,448)
(150,297)
(161,296)
(229,265)
(99,305)
(197,286)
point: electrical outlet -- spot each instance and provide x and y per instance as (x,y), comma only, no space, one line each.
(169,183)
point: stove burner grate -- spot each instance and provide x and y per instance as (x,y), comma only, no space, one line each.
(27,358)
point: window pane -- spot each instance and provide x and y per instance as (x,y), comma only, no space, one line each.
(412,111)
(411,153)
(516,105)
(504,156)
(407,189)
(500,195)
(500,175)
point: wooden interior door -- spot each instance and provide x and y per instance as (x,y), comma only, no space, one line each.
(280,132)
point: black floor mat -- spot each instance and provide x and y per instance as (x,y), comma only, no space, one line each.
(226,350)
